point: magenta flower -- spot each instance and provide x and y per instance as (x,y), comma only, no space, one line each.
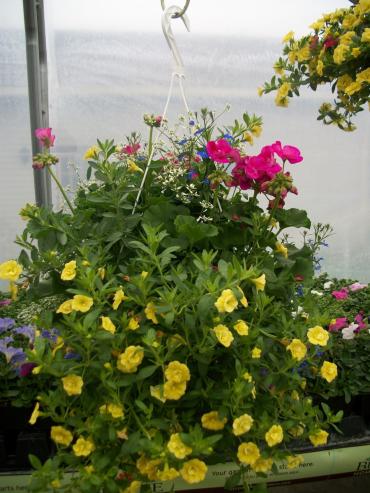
(45,137)
(340,323)
(221,151)
(130,149)
(359,319)
(342,294)
(5,302)
(357,286)
(290,153)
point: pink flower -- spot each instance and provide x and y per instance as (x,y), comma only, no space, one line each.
(342,294)
(221,151)
(130,149)
(359,319)
(330,41)
(339,324)
(290,153)
(45,137)
(356,286)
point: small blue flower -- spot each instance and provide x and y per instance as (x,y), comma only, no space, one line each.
(182,142)
(72,355)
(6,323)
(228,137)
(198,132)
(299,291)
(203,154)
(191,122)
(26,331)
(206,181)
(323,243)
(141,158)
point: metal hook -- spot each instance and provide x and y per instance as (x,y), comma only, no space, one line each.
(168,14)
(177,14)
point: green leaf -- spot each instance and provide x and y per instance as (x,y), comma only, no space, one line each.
(233,480)
(91,318)
(34,461)
(146,372)
(62,238)
(193,231)
(292,218)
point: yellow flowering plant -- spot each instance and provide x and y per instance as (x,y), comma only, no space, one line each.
(185,351)
(335,53)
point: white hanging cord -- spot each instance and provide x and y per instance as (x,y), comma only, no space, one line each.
(177,73)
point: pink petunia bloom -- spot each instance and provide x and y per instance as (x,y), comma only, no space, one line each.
(339,323)
(359,319)
(290,153)
(45,137)
(342,294)
(130,149)
(221,151)
(356,286)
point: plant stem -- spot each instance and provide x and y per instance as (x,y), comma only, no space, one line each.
(59,185)
(150,142)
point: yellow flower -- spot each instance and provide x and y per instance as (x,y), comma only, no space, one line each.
(36,370)
(72,384)
(241,328)
(346,38)
(248,138)
(35,414)
(10,271)
(343,82)
(243,300)
(362,7)
(56,484)
(317,25)
(115,410)
(83,447)
(303,53)
(122,434)
(193,471)
(282,102)
(65,307)
(108,325)
(144,274)
(298,349)
(82,303)
(278,69)
(61,436)
(256,130)
(69,271)
(356,52)
(262,465)
(274,435)
(256,353)
(248,377)
(91,152)
(101,273)
(168,474)
(89,469)
(363,76)
(288,37)
(212,421)
(157,393)
(365,38)
(296,431)
(227,302)
(260,282)
(119,296)
(260,91)
(340,53)
(130,359)
(224,335)
(320,67)
(150,312)
(148,467)
(134,487)
(329,371)
(318,336)
(133,167)
(177,372)
(284,89)
(320,437)
(85,263)
(174,391)
(248,453)
(133,323)
(294,461)
(177,447)
(353,88)
(282,249)
(13,288)
(242,424)
(350,21)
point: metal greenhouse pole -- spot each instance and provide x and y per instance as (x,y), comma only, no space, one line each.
(34,23)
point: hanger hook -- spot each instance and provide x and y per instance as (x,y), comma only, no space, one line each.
(177,14)
(167,15)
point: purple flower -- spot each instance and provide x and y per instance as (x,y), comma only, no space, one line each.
(5,302)
(13,354)
(72,355)
(26,369)
(51,334)
(6,324)
(26,331)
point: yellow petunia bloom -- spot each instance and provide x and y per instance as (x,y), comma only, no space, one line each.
(353,88)
(304,53)
(248,453)
(297,349)
(241,328)
(82,303)
(318,336)
(83,447)
(256,130)
(91,153)
(282,249)
(294,461)
(130,359)
(242,424)
(256,353)
(320,437)
(248,138)
(343,82)
(317,25)
(148,467)
(363,76)
(35,414)
(329,371)
(168,474)
(119,296)
(212,421)
(69,271)
(61,436)
(320,67)
(248,377)
(115,410)
(10,271)
(65,307)
(365,38)
(288,37)
(134,487)
(108,325)
(193,471)
(72,384)
(226,302)
(177,372)
(177,447)
(340,53)
(262,465)
(356,52)
(157,393)
(174,391)
(274,435)
(133,167)
(133,323)
(260,282)
(150,313)
(224,335)
(243,300)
